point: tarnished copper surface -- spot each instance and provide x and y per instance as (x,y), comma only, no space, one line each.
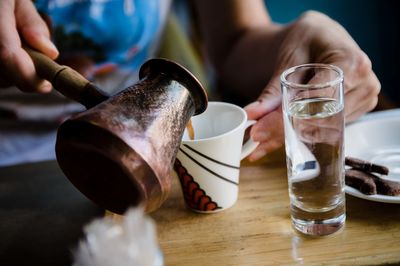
(121,152)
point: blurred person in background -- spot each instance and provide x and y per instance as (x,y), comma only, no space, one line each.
(107,41)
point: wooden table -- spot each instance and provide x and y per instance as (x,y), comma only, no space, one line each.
(257,230)
(41,216)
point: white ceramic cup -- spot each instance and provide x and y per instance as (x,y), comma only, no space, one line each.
(208,166)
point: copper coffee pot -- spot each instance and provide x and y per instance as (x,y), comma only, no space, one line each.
(120,152)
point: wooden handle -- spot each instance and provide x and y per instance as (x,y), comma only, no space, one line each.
(66,80)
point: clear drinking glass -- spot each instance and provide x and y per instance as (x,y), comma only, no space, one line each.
(313,113)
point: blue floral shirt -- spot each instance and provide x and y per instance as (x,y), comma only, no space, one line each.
(111,33)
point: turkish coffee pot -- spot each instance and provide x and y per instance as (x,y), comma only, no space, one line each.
(120,151)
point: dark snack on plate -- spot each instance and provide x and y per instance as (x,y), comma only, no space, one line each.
(364,182)
(371,184)
(360,177)
(366,166)
(387,187)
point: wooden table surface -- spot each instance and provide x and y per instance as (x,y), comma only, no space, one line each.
(257,230)
(41,216)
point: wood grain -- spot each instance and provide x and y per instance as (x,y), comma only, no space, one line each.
(257,230)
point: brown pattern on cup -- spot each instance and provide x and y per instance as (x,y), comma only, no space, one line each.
(195,197)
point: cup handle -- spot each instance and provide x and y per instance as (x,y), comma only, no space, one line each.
(250,145)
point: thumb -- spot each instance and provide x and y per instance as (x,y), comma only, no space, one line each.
(34,29)
(269,100)
(266,110)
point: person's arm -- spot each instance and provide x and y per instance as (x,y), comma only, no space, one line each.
(250,53)
(230,27)
(20,22)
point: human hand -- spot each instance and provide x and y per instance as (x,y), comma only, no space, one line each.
(314,38)
(20,22)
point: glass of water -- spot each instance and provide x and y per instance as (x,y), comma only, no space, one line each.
(313,113)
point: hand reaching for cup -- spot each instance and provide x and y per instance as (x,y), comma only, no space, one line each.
(20,22)
(318,39)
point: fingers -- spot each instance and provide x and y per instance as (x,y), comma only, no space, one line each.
(268,101)
(16,67)
(33,28)
(263,106)
(263,149)
(361,85)
(269,132)
(268,111)
(359,72)
(362,98)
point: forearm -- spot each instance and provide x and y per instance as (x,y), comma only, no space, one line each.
(240,41)
(251,62)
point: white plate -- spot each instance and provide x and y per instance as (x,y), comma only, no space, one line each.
(376,138)
(380,198)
